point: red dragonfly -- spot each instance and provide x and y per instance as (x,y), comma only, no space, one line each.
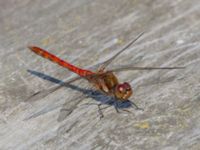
(103,80)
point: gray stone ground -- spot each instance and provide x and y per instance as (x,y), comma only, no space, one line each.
(87,32)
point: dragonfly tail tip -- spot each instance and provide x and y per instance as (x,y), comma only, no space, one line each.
(30,47)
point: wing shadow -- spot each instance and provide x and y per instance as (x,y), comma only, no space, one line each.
(97,96)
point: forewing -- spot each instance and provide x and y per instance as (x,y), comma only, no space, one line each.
(107,62)
(128,67)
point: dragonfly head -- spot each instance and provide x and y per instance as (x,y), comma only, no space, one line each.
(123,91)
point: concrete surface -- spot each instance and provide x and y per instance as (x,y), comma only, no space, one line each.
(87,32)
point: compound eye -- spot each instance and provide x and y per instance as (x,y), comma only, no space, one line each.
(127,86)
(120,88)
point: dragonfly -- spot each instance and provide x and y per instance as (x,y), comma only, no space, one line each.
(103,80)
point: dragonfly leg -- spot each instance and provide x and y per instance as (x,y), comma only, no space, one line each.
(126,110)
(100,111)
(117,110)
(99,108)
(137,108)
(116,107)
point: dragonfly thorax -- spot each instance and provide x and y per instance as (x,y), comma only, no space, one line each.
(108,83)
(123,91)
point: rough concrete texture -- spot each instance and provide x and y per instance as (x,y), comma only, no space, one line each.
(86,33)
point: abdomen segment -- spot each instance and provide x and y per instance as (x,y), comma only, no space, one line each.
(55,59)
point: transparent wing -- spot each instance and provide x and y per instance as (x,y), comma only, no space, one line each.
(128,67)
(107,62)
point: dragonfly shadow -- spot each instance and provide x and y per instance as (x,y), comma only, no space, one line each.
(57,81)
(99,97)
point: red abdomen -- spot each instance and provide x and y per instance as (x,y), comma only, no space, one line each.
(65,64)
